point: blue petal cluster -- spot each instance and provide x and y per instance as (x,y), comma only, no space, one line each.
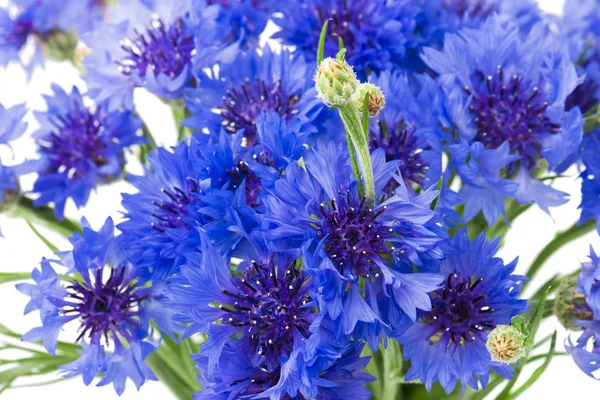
(12,127)
(80,147)
(585,349)
(447,344)
(106,298)
(507,114)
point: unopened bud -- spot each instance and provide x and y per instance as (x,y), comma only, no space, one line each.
(60,45)
(570,306)
(506,344)
(336,82)
(376,98)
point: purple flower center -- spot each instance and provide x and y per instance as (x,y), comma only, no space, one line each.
(345,20)
(171,212)
(472,8)
(513,110)
(77,144)
(585,95)
(105,308)
(166,50)
(241,106)
(400,143)
(460,312)
(240,173)
(272,307)
(355,240)
(19,35)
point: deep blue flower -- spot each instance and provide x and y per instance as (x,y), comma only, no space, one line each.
(319,376)
(240,91)
(12,127)
(210,181)
(80,147)
(354,240)
(585,349)
(111,305)
(406,129)
(36,20)
(447,344)
(246,19)
(505,97)
(580,25)
(377,34)
(149,44)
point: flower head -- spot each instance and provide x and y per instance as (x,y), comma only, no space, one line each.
(350,240)
(507,344)
(376,34)
(250,85)
(80,147)
(448,343)
(509,106)
(376,98)
(109,303)
(336,82)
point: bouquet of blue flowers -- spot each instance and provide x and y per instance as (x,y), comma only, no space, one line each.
(327,225)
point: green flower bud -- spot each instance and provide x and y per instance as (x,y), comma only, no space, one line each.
(376,98)
(336,82)
(570,306)
(59,45)
(10,199)
(507,344)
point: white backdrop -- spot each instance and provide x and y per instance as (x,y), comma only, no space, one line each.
(21,250)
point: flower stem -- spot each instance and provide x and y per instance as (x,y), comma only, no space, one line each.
(43,216)
(354,130)
(561,239)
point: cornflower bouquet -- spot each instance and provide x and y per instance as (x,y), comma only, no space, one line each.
(326,226)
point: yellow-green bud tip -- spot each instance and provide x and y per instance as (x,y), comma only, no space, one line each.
(506,344)
(336,82)
(376,98)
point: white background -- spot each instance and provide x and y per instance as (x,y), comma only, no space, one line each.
(21,250)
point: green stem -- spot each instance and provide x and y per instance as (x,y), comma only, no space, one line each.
(354,129)
(355,168)
(168,377)
(44,216)
(561,239)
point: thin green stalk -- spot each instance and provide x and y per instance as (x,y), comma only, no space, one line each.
(355,169)
(561,239)
(43,216)
(354,128)
(168,377)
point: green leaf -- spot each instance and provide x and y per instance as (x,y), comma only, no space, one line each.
(321,47)
(47,242)
(536,320)
(44,216)
(538,372)
(7,277)
(435,201)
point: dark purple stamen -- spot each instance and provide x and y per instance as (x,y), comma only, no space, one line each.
(460,310)
(241,106)
(76,143)
(106,308)
(355,239)
(240,173)
(511,109)
(272,307)
(166,50)
(19,35)
(584,95)
(171,212)
(472,8)
(400,142)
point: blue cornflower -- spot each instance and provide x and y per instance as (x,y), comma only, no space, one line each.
(580,26)
(111,305)
(447,343)
(585,349)
(80,147)
(151,45)
(440,17)
(268,304)
(246,19)
(377,34)
(254,82)
(320,376)
(210,181)
(406,129)
(318,206)
(12,127)
(590,186)
(37,20)
(505,97)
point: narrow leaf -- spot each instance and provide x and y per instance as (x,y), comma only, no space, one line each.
(321,48)
(538,372)
(47,242)
(536,320)
(7,277)
(365,117)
